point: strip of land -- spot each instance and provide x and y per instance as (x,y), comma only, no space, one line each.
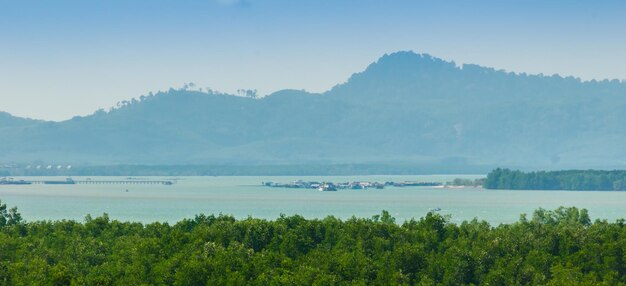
(574,180)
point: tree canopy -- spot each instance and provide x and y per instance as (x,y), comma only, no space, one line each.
(560,247)
(588,180)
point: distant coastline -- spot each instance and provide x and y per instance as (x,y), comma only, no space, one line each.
(310,169)
(571,180)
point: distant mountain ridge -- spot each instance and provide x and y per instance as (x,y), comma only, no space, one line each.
(7,120)
(405,107)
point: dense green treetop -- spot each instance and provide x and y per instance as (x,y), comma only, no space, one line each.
(560,247)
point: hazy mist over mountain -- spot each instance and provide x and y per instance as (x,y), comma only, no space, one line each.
(404,108)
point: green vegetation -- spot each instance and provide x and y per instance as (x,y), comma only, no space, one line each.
(458,182)
(579,180)
(560,247)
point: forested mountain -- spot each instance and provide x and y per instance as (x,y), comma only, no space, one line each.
(406,107)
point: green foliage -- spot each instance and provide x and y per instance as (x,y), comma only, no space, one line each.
(559,247)
(10,217)
(590,180)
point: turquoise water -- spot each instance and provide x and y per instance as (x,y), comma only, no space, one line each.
(244,196)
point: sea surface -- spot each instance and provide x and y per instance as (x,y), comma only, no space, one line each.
(243,196)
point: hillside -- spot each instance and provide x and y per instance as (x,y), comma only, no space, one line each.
(404,108)
(9,121)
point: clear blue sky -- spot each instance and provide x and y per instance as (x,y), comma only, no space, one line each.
(64,58)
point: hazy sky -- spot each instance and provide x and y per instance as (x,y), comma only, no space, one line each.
(64,58)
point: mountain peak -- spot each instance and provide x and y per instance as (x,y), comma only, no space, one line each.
(409,61)
(400,68)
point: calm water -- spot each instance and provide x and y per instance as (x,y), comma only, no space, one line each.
(244,196)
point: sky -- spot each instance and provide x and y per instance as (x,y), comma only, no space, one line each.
(62,58)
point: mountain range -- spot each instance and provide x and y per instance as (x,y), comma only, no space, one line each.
(405,108)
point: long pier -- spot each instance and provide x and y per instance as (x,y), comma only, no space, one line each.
(126,182)
(89,182)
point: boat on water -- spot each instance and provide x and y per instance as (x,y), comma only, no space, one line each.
(327,188)
(358,186)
